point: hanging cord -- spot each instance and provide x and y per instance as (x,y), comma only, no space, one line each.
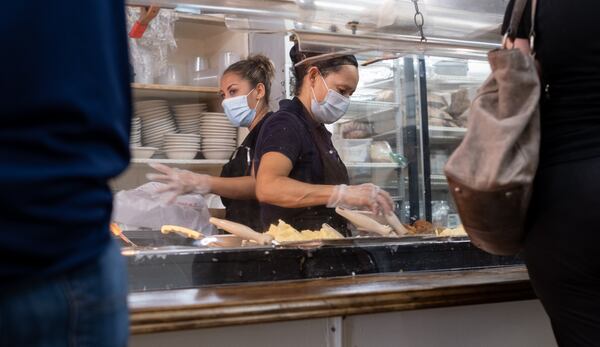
(419,20)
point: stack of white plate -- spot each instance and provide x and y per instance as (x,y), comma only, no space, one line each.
(136,132)
(156,121)
(181,146)
(219,137)
(188,117)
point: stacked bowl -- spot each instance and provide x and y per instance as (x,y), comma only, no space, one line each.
(181,146)
(188,117)
(156,121)
(219,137)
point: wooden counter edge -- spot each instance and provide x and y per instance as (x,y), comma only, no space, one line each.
(438,290)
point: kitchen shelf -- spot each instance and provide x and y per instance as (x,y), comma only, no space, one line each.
(439,182)
(192,162)
(159,90)
(446,135)
(453,82)
(363,109)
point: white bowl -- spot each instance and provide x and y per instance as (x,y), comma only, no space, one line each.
(182,154)
(216,154)
(143,152)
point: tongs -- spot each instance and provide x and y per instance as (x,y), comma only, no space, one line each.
(363,221)
(117,231)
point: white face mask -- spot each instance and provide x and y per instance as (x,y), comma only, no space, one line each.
(332,108)
(238,111)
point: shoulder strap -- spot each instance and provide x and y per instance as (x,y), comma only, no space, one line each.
(516,18)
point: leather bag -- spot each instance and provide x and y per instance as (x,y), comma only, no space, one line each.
(492,171)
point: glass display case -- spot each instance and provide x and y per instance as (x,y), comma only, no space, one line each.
(406,117)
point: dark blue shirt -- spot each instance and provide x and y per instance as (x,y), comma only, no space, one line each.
(65,115)
(292,132)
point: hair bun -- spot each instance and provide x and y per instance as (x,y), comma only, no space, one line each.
(263,63)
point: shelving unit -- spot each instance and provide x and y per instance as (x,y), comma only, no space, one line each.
(173,91)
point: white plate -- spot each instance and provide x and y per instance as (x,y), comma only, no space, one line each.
(154,116)
(208,119)
(161,130)
(189,136)
(152,112)
(182,139)
(166,121)
(175,147)
(188,123)
(188,144)
(220,142)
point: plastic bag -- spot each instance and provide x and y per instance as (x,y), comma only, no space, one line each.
(149,54)
(143,208)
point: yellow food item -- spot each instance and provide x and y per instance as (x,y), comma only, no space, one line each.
(458,231)
(284,232)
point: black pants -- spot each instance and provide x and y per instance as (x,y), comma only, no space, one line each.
(562,249)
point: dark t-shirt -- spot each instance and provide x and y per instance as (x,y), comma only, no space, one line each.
(568,50)
(246,212)
(288,131)
(65,113)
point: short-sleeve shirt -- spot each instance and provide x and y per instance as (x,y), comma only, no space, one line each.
(65,113)
(288,131)
(568,50)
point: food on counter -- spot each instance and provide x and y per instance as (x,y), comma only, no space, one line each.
(437,101)
(421,227)
(380,152)
(356,130)
(439,117)
(284,232)
(458,231)
(185,232)
(459,103)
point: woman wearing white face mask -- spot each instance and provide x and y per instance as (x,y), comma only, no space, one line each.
(299,175)
(245,89)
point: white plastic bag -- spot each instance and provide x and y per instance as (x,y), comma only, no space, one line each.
(143,208)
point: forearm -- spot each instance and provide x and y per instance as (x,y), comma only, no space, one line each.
(290,193)
(237,188)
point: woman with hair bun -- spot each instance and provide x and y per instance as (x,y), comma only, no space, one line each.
(245,89)
(300,177)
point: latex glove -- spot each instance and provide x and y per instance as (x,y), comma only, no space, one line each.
(365,195)
(179,182)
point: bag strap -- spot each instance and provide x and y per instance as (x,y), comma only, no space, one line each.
(515,21)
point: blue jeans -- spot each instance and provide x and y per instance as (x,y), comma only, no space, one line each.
(84,307)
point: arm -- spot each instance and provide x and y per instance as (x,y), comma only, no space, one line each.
(236,188)
(273,186)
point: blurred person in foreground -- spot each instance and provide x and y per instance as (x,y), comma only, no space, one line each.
(65,113)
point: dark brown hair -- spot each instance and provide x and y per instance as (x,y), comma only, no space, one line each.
(255,69)
(326,66)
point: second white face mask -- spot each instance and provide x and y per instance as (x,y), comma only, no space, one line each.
(237,110)
(332,108)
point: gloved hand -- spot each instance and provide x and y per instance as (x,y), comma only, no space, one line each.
(179,182)
(362,196)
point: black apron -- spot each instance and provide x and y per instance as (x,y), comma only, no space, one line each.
(246,212)
(334,173)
